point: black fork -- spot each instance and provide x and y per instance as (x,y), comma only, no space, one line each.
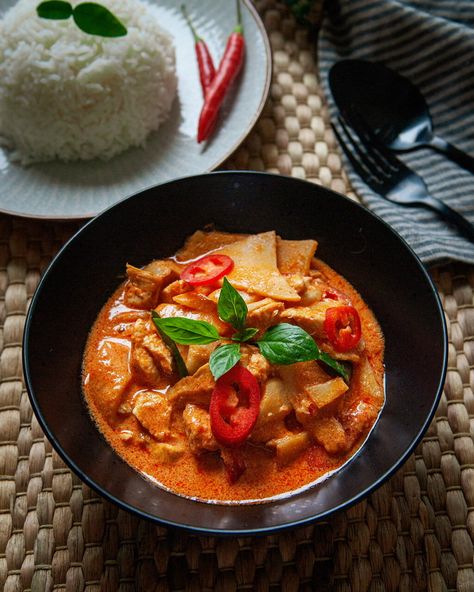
(391,178)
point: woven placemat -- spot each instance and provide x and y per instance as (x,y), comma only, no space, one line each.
(414,533)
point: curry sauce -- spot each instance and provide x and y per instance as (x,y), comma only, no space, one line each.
(312,415)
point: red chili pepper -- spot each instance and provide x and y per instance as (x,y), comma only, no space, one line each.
(206,67)
(207,270)
(229,67)
(234,407)
(342,326)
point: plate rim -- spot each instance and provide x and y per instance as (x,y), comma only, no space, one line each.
(266,530)
(263,99)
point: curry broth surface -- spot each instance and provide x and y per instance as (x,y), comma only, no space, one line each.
(106,371)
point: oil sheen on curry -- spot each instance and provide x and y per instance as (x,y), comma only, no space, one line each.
(240,369)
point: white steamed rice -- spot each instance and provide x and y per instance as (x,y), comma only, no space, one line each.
(69,95)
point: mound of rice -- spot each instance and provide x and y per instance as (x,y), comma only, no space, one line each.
(69,95)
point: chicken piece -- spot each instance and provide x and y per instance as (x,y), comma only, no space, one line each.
(234,463)
(294,256)
(358,419)
(253,360)
(255,267)
(144,286)
(158,265)
(197,426)
(196,301)
(263,314)
(195,389)
(174,289)
(297,282)
(150,357)
(328,432)
(369,385)
(198,355)
(310,318)
(110,377)
(289,447)
(153,411)
(312,293)
(166,452)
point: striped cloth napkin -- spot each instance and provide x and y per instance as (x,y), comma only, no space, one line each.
(431,42)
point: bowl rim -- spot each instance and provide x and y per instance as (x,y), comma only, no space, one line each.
(211,531)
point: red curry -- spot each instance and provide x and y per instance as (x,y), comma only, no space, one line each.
(233,418)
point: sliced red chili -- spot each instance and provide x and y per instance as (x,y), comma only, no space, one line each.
(235,403)
(207,270)
(342,327)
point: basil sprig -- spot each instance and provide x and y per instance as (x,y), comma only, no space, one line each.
(90,17)
(178,358)
(187,331)
(223,358)
(281,344)
(231,307)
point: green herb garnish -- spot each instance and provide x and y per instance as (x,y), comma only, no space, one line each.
(281,344)
(223,358)
(90,17)
(231,306)
(178,358)
(187,331)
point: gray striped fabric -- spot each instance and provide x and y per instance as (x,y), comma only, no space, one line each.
(431,43)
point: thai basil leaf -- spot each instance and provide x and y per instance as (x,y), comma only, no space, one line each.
(231,306)
(178,359)
(95,19)
(245,335)
(223,358)
(339,368)
(286,344)
(54,9)
(187,331)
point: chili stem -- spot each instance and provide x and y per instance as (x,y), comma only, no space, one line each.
(239,28)
(190,24)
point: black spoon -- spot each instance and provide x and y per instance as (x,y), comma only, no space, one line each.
(391,105)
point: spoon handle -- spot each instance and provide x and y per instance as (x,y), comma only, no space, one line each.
(453,153)
(450,215)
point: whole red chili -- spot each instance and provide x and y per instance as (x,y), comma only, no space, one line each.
(229,67)
(206,67)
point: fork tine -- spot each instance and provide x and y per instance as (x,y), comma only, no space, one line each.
(359,168)
(367,166)
(381,155)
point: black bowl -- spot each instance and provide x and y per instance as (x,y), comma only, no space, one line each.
(154,224)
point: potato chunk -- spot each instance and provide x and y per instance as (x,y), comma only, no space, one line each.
(326,393)
(290,446)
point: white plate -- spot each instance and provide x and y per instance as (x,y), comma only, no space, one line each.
(83,189)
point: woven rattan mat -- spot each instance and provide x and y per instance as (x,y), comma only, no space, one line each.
(414,533)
